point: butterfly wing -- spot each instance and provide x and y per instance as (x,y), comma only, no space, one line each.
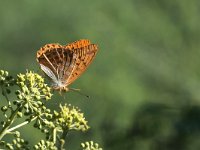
(56,62)
(85,52)
(64,64)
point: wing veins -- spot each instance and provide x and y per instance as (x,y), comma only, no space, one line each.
(49,62)
(74,66)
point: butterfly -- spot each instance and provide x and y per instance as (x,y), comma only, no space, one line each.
(64,64)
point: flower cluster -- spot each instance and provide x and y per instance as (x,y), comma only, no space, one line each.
(32,87)
(59,123)
(70,118)
(5,81)
(17,143)
(90,146)
(29,104)
(3,75)
(5,78)
(32,91)
(45,145)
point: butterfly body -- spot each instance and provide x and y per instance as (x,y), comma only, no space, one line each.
(64,64)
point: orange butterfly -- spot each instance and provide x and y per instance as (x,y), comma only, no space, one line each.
(64,64)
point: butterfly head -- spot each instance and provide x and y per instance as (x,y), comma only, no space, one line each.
(61,89)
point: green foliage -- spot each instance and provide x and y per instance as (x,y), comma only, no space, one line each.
(29,105)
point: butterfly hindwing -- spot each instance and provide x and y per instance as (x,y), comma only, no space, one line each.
(55,61)
(50,56)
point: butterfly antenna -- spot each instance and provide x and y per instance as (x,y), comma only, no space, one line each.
(78,91)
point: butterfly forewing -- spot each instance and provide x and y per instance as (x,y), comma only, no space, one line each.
(85,55)
(78,44)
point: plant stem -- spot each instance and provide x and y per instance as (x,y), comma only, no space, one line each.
(20,125)
(62,139)
(54,135)
(64,134)
(9,122)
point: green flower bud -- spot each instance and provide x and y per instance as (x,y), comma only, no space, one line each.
(35,104)
(9,146)
(14,141)
(83,145)
(17,134)
(26,106)
(37,97)
(55,113)
(18,145)
(4,108)
(6,73)
(19,114)
(39,103)
(35,109)
(36,147)
(48,110)
(19,96)
(18,139)
(1,72)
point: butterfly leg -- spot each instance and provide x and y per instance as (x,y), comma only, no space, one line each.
(74,89)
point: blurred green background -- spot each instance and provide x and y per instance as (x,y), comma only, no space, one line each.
(145,81)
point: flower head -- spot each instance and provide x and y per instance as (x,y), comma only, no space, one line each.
(6,79)
(42,145)
(32,91)
(71,118)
